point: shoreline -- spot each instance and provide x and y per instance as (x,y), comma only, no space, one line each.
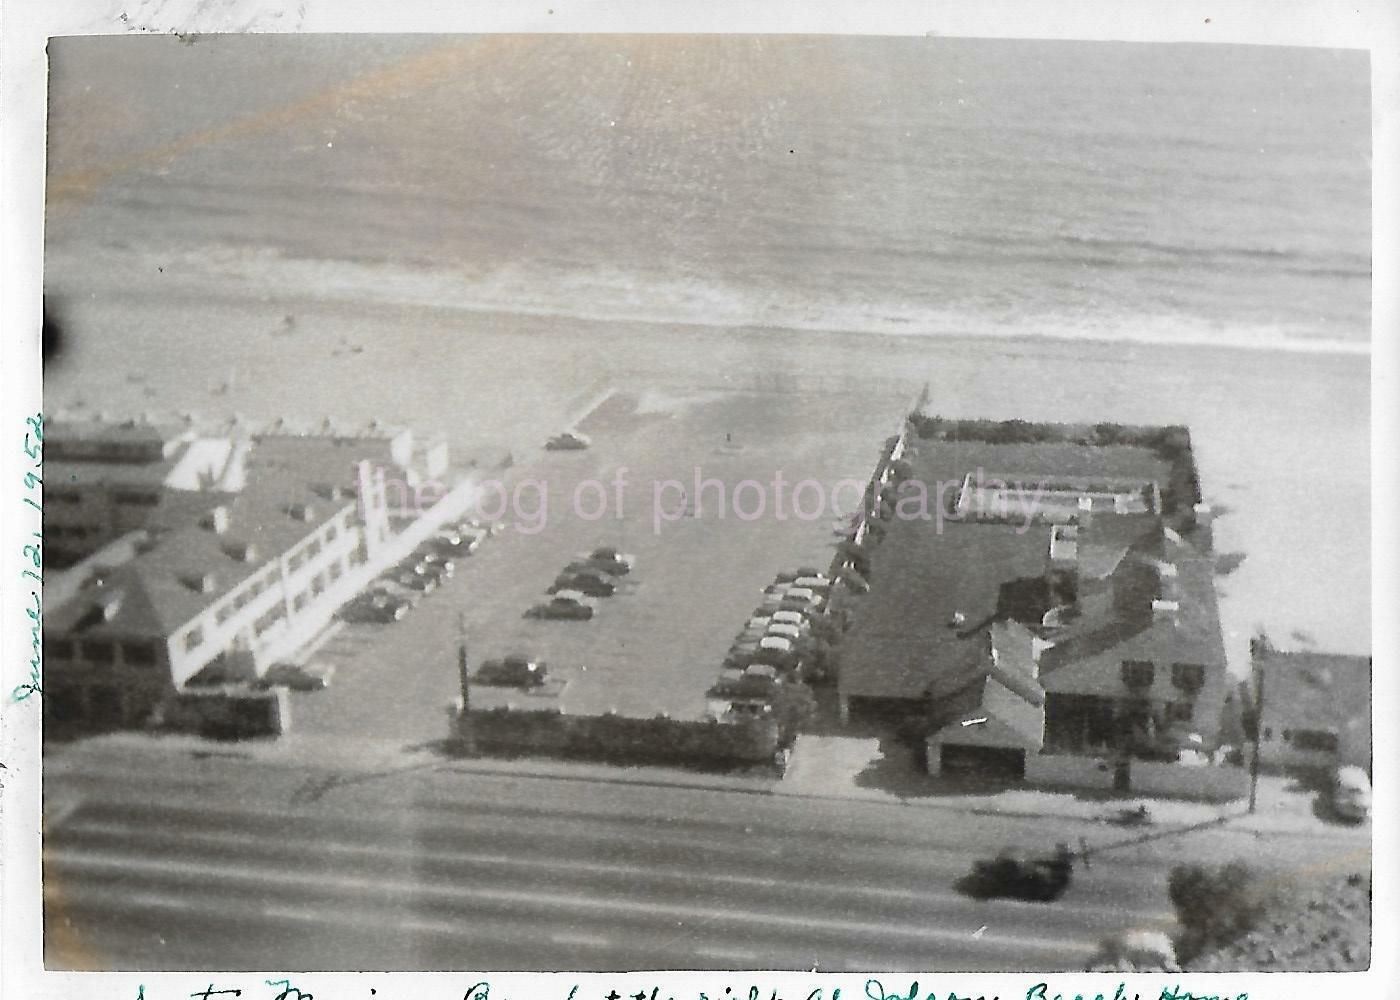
(264,277)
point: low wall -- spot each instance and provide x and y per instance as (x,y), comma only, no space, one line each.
(235,714)
(1216,783)
(1069,771)
(619,738)
(1165,780)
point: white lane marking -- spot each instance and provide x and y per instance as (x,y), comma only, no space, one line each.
(586,940)
(206,873)
(688,877)
(726,954)
(913,860)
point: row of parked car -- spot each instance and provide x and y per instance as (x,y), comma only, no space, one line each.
(574,594)
(768,649)
(399,589)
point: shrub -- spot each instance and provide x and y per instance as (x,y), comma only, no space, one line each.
(793,706)
(1217,905)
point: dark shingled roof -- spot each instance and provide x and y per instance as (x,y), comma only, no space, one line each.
(901,642)
(155,597)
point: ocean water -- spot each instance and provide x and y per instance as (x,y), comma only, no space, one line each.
(1124,191)
(473,234)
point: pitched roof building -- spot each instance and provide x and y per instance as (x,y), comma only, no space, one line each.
(1049,606)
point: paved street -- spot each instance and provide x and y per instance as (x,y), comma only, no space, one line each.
(207,861)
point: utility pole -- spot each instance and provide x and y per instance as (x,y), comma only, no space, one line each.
(462,679)
(1258,724)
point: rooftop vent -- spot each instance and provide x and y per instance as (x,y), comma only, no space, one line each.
(1164,612)
(217,520)
(242,551)
(200,583)
(301,511)
(109,604)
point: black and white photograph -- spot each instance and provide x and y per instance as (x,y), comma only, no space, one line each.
(590,502)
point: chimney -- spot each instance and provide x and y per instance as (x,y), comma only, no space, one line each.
(109,604)
(1086,511)
(217,520)
(1165,612)
(202,583)
(242,551)
(301,511)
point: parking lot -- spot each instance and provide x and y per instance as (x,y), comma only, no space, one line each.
(657,645)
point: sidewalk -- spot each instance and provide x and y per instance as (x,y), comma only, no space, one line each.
(831,774)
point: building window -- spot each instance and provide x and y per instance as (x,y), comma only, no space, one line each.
(331,532)
(334,571)
(295,562)
(1137,673)
(314,548)
(1179,711)
(1188,676)
(193,638)
(268,619)
(300,600)
(318,583)
(141,654)
(99,652)
(59,649)
(1268,732)
(1315,739)
(222,615)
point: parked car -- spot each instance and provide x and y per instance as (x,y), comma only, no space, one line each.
(584,583)
(616,564)
(791,618)
(375,607)
(455,542)
(797,605)
(804,594)
(606,554)
(567,604)
(580,567)
(564,612)
(398,591)
(1351,794)
(819,585)
(297,677)
(788,576)
(416,579)
(784,630)
(568,441)
(437,562)
(513,671)
(759,621)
